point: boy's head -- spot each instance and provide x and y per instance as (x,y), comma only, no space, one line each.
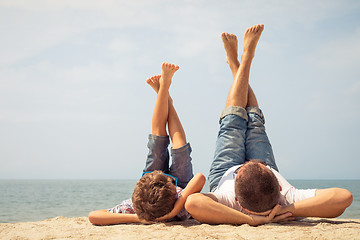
(154,196)
(256,187)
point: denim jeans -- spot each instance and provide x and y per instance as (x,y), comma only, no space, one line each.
(158,159)
(241,137)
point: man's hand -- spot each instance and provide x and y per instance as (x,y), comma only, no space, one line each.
(285,209)
(274,216)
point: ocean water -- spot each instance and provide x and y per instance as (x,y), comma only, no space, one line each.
(34,200)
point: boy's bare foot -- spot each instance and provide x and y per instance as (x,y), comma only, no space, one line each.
(251,38)
(154,82)
(231,48)
(167,72)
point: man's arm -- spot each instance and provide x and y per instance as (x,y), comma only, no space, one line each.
(102,217)
(194,186)
(206,209)
(329,203)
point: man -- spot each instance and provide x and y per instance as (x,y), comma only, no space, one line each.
(244,181)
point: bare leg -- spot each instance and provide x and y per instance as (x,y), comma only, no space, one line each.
(252,101)
(155,84)
(231,46)
(176,131)
(240,90)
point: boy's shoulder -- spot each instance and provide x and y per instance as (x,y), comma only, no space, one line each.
(125,206)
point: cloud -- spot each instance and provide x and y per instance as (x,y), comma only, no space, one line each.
(340,53)
(46,92)
(35,26)
(55,22)
(334,67)
(73,65)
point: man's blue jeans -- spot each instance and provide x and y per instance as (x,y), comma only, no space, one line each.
(158,159)
(241,138)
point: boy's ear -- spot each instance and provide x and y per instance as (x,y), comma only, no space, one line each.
(235,198)
(280,188)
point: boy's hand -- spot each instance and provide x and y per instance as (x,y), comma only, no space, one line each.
(195,185)
(146,222)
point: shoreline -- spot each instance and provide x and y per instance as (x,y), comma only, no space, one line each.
(81,228)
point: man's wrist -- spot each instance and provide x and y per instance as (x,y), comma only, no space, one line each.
(287,208)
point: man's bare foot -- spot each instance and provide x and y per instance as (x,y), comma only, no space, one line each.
(231,47)
(251,38)
(167,72)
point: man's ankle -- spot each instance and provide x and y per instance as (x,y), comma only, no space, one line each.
(247,56)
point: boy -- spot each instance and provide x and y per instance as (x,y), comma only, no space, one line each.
(156,196)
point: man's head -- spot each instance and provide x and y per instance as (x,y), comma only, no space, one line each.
(154,196)
(256,187)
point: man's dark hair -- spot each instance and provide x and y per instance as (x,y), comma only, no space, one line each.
(257,188)
(154,196)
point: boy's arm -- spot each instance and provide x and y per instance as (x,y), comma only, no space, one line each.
(329,203)
(102,217)
(206,209)
(194,186)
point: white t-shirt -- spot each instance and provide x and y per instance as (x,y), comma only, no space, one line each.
(225,191)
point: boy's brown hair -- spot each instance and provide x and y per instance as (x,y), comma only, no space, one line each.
(257,188)
(154,196)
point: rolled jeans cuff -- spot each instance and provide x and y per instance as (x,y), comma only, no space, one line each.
(257,111)
(184,148)
(234,110)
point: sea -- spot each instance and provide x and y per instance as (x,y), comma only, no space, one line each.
(34,200)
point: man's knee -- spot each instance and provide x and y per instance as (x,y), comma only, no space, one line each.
(234,110)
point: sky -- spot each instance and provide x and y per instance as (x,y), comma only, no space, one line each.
(74,103)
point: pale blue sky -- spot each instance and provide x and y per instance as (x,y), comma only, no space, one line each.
(74,103)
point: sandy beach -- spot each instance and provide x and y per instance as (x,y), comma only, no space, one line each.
(81,228)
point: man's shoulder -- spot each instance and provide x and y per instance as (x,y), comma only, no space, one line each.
(232,170)
(226,182)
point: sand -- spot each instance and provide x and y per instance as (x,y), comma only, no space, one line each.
(81,228)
